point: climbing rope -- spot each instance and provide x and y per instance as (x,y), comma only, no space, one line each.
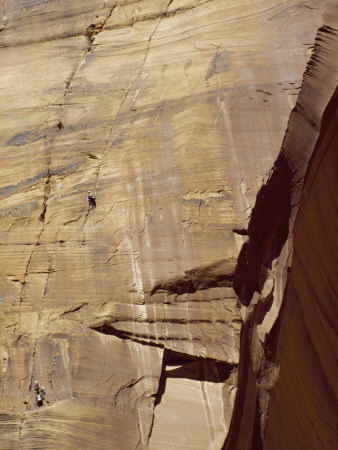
(99,269)
(33,373)
(39,319)
(101,301)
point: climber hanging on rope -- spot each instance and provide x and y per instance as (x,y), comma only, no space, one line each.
(91,200)
(39,393)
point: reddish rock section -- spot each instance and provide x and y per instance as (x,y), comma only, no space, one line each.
(304,405)
(286,279)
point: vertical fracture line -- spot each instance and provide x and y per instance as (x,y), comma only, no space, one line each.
(109,140)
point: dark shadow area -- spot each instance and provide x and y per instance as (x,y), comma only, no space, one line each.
(202,370)
(181,365)
(268,231)
(240,231)
(161,386)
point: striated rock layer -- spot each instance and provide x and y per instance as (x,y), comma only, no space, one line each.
(174,315)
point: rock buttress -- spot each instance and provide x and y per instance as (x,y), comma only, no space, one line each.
(286,281)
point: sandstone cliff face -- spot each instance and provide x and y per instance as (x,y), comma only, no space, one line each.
(163,318)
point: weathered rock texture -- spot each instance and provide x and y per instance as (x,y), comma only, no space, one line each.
(175,315)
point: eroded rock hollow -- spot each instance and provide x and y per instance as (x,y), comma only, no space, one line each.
(195,307)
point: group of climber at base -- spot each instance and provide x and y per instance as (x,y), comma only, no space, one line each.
(91,199)
(40,393)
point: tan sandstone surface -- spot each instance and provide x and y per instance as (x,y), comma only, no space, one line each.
(165,318)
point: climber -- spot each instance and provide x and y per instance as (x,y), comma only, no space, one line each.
(91,200)
(39,393)
(39,389)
